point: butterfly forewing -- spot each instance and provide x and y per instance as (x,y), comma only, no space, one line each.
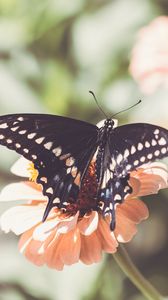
(136,144)
(60,148)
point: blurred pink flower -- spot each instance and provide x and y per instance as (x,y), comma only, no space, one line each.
(64,239)
(149,61)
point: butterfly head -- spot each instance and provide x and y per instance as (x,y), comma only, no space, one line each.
(108,123)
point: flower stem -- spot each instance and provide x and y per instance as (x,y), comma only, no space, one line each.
(123,260)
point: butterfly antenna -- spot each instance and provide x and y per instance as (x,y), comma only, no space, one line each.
(127,108)
(98,104)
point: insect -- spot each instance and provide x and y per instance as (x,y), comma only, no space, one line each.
(62,150)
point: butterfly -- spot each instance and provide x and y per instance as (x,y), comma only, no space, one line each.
(62,149)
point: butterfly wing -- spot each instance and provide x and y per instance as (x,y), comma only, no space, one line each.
(127,148)
(60,148)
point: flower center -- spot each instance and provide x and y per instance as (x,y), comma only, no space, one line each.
(87,198)
(33,172)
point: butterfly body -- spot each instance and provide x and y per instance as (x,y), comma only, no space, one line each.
(62,150)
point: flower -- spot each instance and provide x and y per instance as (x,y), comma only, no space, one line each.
(149,61)
(64,239)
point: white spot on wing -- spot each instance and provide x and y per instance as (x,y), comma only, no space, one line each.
(156,153)
(162,141)
(22,131)
(143,158)
(18,145)
(119,158)
(164,150)
(44,179)
(26,150)
(149,156)
(14,128)
(31,135)
(49,190)
(57,151)
(128,167)
(154,143)
(70,161)
(48,145)
(136,162)
(56,200)
(126,153)
(40,140)
(156,131)
(127,188)
(147,144)
(140,146)
(74,171)
(1,136)
(113,164)
(133,149)
(20,119)
(9,141)
(117,197)
(4,125)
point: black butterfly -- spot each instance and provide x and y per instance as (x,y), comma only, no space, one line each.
(62,149)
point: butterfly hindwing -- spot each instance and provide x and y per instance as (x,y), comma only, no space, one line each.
(60,148)
(127,148)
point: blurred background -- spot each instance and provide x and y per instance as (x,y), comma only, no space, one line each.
(52,52)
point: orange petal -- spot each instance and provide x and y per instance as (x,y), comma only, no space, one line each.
(152,177)
(89,223)
(69,247)
(135,184)
(91,250)
(43,230)
(133,209)
(52,254)
(125,228)
(35,250)
(67,224)
(106,236)
(25,239)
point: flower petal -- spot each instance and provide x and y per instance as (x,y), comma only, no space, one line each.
(125,228)
(69,247)
(89,223)
(51,254)
(134,209)
(106,236)
(20,167)
(21,218)
(152,178)
(91,250)
(25,239)
(67,224)
(20,191)
(43,230)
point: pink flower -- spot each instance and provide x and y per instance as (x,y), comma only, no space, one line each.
(149,62)
(65,239)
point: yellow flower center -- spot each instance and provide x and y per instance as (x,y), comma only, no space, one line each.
(33,172)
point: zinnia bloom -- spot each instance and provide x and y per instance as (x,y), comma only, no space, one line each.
(149,62)
(66,238)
